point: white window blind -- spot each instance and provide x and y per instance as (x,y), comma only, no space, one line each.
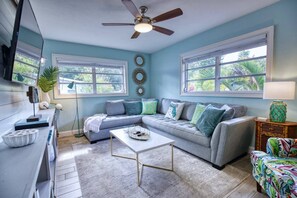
(92,76)
(233,67)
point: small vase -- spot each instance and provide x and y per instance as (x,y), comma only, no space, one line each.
(45,97)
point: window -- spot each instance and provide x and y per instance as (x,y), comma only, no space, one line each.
(92,76)
(236,67)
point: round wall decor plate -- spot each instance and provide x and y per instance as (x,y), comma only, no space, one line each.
(140,90)
(139,76)
(139,60)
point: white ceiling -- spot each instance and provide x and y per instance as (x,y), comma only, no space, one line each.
(80,21)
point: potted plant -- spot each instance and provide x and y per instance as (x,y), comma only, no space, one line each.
(47,81)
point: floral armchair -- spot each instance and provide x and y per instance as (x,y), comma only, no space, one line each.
(276,170)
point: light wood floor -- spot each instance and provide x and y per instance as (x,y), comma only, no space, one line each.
(67,185)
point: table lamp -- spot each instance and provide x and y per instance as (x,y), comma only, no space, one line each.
(279,91)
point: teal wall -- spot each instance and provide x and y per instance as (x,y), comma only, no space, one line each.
(91,106)
(163,67)
(165,64)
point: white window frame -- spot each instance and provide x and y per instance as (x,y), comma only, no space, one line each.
(269,31)
(56,57)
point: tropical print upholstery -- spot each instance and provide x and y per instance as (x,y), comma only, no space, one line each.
(276,170)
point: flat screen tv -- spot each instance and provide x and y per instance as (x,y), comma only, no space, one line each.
(24,55)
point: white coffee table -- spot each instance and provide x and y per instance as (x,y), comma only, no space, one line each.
(137,146)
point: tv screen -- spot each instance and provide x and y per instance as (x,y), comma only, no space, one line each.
(26,47)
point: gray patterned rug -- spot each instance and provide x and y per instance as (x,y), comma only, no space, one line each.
(102,175)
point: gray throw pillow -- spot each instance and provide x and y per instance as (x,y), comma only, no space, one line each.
(115,107)
(209,119)
(229,112)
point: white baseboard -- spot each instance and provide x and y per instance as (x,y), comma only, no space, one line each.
(68,133)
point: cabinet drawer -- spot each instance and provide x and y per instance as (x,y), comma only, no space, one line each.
(266,127)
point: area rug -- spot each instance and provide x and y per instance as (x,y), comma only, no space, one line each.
(102,175)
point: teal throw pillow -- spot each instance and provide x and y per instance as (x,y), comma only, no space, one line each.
(133,108)
(197,113)
(149,107)
(209,119)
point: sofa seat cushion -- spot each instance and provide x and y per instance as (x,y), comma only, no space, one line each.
(120,120)
(180,128)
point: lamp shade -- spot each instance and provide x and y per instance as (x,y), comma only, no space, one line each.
(279,90)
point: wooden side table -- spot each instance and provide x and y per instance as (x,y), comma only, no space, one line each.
(267,129)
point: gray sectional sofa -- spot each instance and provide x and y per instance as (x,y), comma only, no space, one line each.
(229,140)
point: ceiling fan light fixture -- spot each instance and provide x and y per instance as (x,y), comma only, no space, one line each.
(143,27)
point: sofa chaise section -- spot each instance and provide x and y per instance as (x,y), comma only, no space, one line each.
(112,122)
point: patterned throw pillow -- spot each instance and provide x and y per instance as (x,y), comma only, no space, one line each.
(149,107)
(209,119)
(175,110)
(197,113)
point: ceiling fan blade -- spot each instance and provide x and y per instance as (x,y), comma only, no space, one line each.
(131,7)
(163,30)
(118,24)
(168,15)
(135,35)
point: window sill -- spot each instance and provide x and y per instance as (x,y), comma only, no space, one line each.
(226,94)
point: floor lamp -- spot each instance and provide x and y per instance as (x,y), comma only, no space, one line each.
(79,134)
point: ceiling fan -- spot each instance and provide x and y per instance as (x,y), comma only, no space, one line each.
(142,23)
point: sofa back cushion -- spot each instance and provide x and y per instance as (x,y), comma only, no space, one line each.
(164,105)
(115,107)
(239,109)
(188,110)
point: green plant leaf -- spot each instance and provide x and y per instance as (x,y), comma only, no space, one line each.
(48,79)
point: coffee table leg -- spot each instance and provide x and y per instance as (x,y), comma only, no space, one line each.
(111,144)
(172,157)
(138,181)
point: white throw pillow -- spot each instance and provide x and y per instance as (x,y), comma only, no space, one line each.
(175,110)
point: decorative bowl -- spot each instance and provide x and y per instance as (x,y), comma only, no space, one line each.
(20,138)
(138,133)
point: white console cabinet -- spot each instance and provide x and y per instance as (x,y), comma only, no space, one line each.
(29,171)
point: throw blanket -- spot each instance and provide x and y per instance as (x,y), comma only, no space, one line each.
(93,123)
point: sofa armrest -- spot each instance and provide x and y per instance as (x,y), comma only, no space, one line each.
(257,155)
(231,139)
